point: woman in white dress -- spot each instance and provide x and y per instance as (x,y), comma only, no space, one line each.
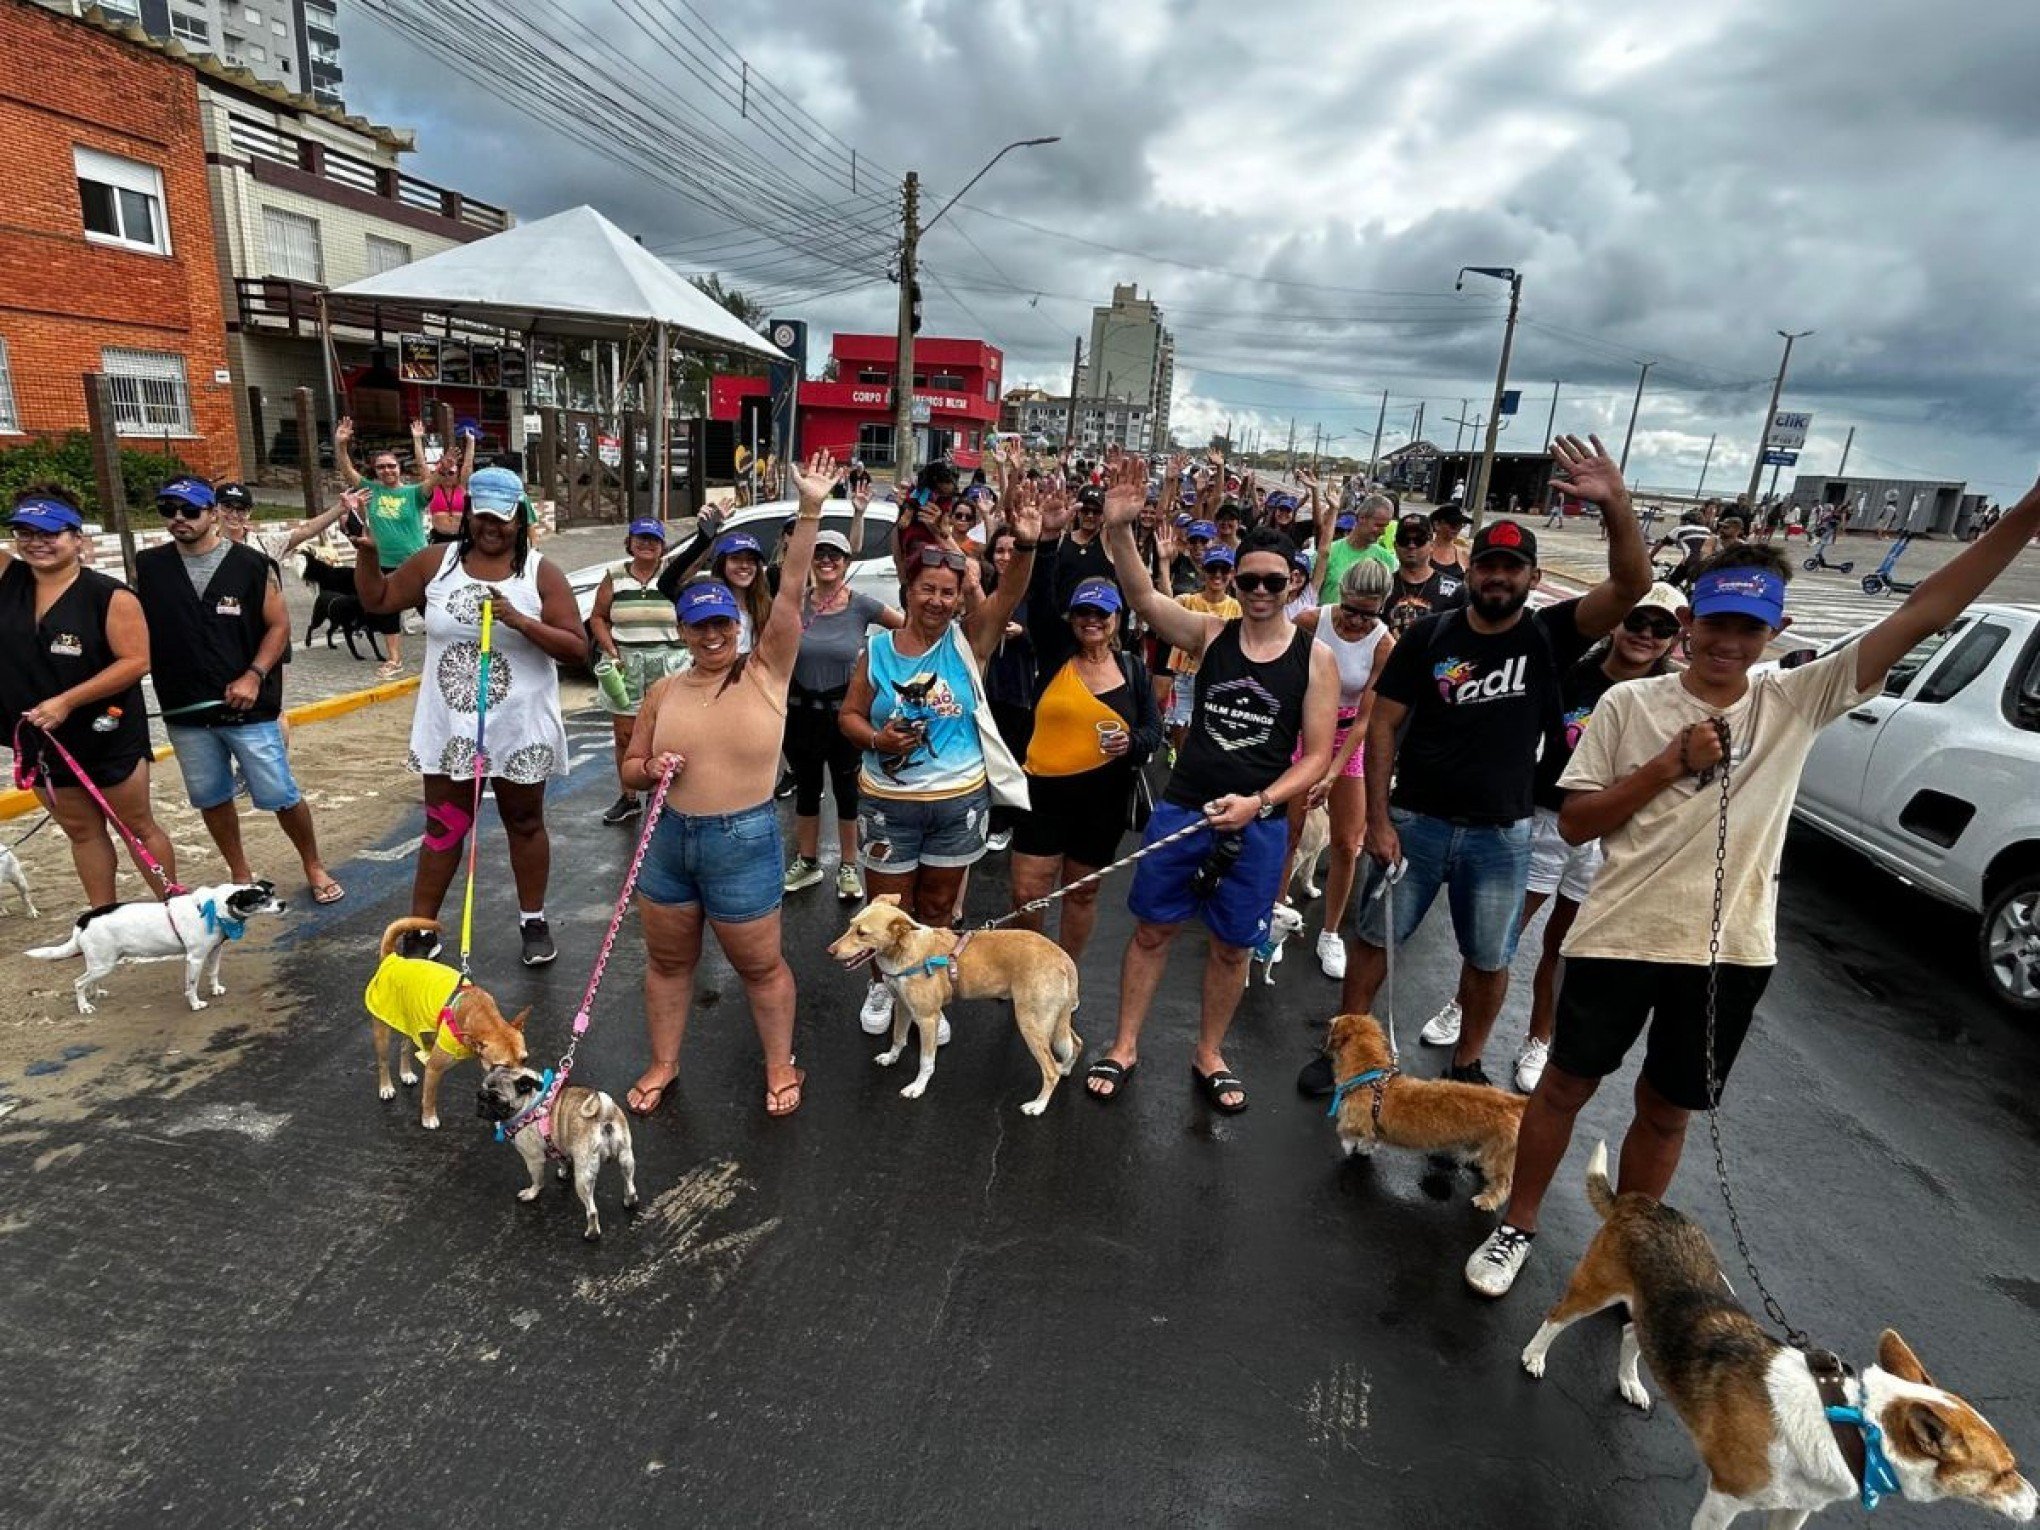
(536,626)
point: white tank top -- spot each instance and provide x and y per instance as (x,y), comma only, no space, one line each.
(1355,659)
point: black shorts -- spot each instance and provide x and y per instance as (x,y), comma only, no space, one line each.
(1080,818)
(1604,1003)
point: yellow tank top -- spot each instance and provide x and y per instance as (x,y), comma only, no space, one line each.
(1066,740)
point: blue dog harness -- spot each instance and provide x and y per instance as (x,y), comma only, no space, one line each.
(1375,1078)
(934,964)
(217,923)
(1877,1476)
(1857,1435)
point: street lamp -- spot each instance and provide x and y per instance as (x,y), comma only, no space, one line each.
(1509,274)
(1777,387)
(910,243)
(1635,405)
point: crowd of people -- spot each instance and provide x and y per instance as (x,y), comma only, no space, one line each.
(1055,632)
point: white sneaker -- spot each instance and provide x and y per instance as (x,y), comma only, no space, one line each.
(876,1016)
(1494,1265)
(1442,1029)
(942,1032)
(1331,954)
(1530,1064)
(994,843)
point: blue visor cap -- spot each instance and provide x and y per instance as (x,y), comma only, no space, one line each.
(195,492)
(648,528)
(1204,529)
(41,513)
(1097,594)
(1754,592)
(706,602)
(496,491)
(1345,523)
(1219,557)
(738,542)
(1281,501)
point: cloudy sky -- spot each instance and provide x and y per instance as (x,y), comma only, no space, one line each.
(1297,183)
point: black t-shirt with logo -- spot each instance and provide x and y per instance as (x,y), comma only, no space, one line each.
(1408,604)
(1246,721)
(1481,706)
(1579,692)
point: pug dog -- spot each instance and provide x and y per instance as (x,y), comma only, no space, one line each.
(587,1129)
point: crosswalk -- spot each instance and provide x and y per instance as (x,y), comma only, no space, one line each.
(1824,605)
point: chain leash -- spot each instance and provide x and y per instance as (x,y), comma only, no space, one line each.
(1794,1337)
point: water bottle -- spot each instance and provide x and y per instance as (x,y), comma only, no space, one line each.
(106,721)
(609,675)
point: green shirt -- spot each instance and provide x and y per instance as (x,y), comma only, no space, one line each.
(396,520)
(1342,555)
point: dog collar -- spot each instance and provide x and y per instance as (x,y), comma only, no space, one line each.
(1374,1076)
(1857,1435)
(1878,1478)
(934,964)
(505,1130)
(217,923)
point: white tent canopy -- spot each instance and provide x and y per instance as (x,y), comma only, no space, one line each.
(575,273)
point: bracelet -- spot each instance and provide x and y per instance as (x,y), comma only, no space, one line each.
(1267,806)
(1021,547)
(259,672)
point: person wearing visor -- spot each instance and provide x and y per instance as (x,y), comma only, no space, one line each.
(396,525)
(738,560)
(924,804)
(237,524)
(1095,725)
(1186,562)
(716,859)
(1643,783)
(637,643)
(77,647)
(1213,598)
(1419,590)
(536,628)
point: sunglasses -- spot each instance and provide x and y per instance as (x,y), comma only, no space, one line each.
(1645,625)
(1267,584)
(830,555)
(1360,613)
(178,510)
(940,557)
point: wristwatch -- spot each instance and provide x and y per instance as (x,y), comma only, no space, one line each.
(1267,807)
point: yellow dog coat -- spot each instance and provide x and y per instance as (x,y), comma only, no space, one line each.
(414,999)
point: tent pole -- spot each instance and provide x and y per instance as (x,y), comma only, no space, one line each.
(663,450)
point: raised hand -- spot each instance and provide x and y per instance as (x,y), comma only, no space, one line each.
(860,495)
(1126,491)
(344,431)
(1056,507)
(1026,518)
(822,473)
(1584,468)
(417,427)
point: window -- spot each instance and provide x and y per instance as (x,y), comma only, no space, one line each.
(293,241)
(190,29)
(122,10)
(122,201)
(10,422)
(278,28)
(257,54)
(386,254)
(869,376)
(1907,669)
(1972,656)
(946,380)
(875,445)
(149,393)
(254,16)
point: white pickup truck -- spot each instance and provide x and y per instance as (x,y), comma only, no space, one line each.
(1938,780)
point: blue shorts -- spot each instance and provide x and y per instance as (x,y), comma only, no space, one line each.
(897,834)
(1238,913)
(207,757)
(1481,867)
(729,863)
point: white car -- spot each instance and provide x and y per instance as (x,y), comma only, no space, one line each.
(1937,778)
(871,566)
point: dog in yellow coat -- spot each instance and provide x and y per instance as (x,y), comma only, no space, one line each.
(445,1020)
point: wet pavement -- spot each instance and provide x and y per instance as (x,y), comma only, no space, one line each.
(271,1299)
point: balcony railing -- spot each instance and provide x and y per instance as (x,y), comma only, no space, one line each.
(278,305)
(265,145)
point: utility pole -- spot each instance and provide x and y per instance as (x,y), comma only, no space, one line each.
(1843,470)
(1551,420)
(1705,463)
(903,355)
(1292,444)
(1381,419)
(1777,387)
(1317,440)
(1494,424)
(1417,430)
(1459,435)
(1076,371)
(1635,405)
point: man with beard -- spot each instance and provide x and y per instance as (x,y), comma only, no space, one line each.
(1479,689)
(1419,590)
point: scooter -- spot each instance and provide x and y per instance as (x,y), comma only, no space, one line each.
(1884,580)
(1819,559)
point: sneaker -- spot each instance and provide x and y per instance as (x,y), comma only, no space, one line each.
(994,843)
(419,945)
(623,809)
(942,1032)
(849,885)
(1315,1081)
(876,1016)
(1530,1064)
(1472,1073)
(1331,954)
(1494,1265)
(1442,1029)
(802,872)
(785,787)
(538,942)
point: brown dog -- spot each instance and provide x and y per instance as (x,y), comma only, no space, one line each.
(925,968)
(417,1000)
(1429,1115)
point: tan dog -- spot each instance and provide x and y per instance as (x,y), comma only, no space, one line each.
(1311,845)
(926,968)
(1752,1406)
(416,999)
(1429,1115)
(587,1127)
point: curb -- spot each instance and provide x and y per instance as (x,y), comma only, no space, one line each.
(13,804)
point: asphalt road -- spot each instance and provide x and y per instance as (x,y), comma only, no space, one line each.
(273,1300)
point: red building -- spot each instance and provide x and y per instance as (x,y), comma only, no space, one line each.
(956,400)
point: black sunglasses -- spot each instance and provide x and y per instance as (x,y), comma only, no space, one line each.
(1643,623)
(178,510)
(941,557)
(1269,584)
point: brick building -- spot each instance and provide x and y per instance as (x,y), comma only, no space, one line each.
(107,247)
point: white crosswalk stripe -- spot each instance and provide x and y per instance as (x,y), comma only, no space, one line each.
(1825,606)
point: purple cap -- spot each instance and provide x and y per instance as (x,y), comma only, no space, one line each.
(705,602)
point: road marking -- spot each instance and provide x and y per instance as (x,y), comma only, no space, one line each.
(402,852)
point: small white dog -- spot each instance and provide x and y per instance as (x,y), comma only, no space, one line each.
(195,926)
(1283,922)
(11,872)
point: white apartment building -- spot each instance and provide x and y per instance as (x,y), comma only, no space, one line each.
(292,43)
(1133,357)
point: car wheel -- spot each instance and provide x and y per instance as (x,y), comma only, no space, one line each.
(2009,945)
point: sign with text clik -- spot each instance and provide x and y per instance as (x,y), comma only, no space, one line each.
(1788,429)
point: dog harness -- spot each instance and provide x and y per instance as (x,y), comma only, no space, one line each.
(538,1113)
(935,964)
(1374,1078)
(414,998)
(1857,1435)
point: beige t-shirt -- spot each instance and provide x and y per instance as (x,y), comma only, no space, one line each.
(1654,898)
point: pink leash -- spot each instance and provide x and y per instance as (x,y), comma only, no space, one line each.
(23,780)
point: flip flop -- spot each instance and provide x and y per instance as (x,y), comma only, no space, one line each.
(641,1101)
(1217,1085)
(1112,1072)
(331,892)
(773,1096)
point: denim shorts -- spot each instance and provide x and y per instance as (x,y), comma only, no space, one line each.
(1480,867)
(897,834)
(207,757)
(1237,913)
(729,863)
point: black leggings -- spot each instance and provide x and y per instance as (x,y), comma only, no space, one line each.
(813,742)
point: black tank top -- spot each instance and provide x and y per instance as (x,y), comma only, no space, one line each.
(1247,719)
(67,647)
